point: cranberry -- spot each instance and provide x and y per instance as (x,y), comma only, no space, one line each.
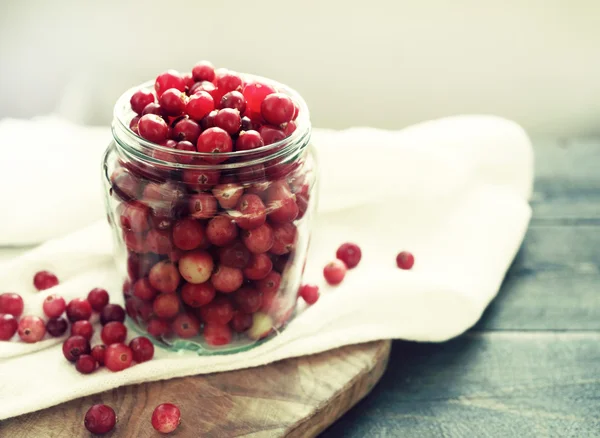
(199,105)
(113,332)
(166,418)
(100,419)
(334,272)
(8,326)
(98,298)
(284,238)
(186,129)
(310,293)
(235,255)
(142,349)
(226,279)
(248,140)
(277,108)
(259,267)
(159,242)
(228,195)
(125,185)
(241,322)
(188,234)
(234,100)
(173,102)
(12,304)
(196,267)
(252,212)
(145,311)
(405,260)
(186,326)
(133,125)
(153,128)
(289,128)
(79,309)
(85,364)
(167,80)
(203,71)
(197,295)
(249,125)
(82,328)
(57,327)
(218,311)
(271,134)
(217,334)
(221,231)
(259,240)
(134,241)
(98,353)
(214,141)
(164,277)
(133,217)
(185,146)
(157,327)
(228,81)
(270,283)
(118,357)
(44,280)
(209,120)
(74,347)
(201,179)
(152,108)
(255,93)
(112,312)
(140,99)
(350,254)
(248,299)
(229,120)
(281,203)
(166,306)
(262,324)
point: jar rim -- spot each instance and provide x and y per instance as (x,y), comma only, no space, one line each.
(143,149)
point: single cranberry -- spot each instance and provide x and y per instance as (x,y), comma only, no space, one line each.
(173,102)
(142,349)
(217,334)
(74,347)
(185,146)
(159,242)
(218,311)
(140,99)
(234,100)
(241,322)
(133,217)
(270,283)
(98,298)
(310,293)
(196,267)
(255,93)
(281,203)
(44,280)
(133,125)
(277,108)
(12,304)
(209,88)
(252,212)
(186,325)
(203,71)
(258,240)
(248,140)
(113,332)
(125,185)
(166,306)
(228,81)
(188,234)
(199,105)
(144,311)
(82,328)
(214,141)
(153,128)
(226,279)
(228,194)
(221,231)
(79,309)
(8,326)
(334,272)
(284,238)
(197,295)
(85,364)
(271,134)
(57,326)
(167,80)
(405,260)
(289,128)
(118,357)
(100,419)
(259,267)
(144,290)
(166,418)
(235,255)
(229,120)
(111,313)
(186,129)
(157,327)
(350,254)
(201,179)
(152,108)
(262,325)
(189,80)
(209,120)
(202,206)
(248,299)
(164,277)
(98,353)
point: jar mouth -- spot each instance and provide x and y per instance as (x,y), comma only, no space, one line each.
(142,149)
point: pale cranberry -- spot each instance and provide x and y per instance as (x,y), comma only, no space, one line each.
(262,324)
(118,357)
(100,419)
(74,347)
(172,102)
(252,212)
(235,255)
(309,293)
(12,304)
(142,349)
(227,80)
(284,238)
(166,418)
(186,326)
(79,309)
(277,108)
(197,295)
(234,100)
(255,93)
(221,231)
(259,240)
(157,327)
(281,203)
(202,206)
(228,195)
(98,353)
(203,71)
(214,141)
(112,312)
(241,322)
(217,334)
(249,300)
(229,120)
(167,80)
(133,217)
(218,311)
(153,128)
(334,272)
(166,306)
(144,290)
(140,99)
(57,326)
(8,326)
(186,130)
(226,279)
(85,364)
(82,328)
(259,267)
(405,260)
(271,134)
(196,267)
(164,277)
(113,332)
(44,280)
(188,234)
(270,283)
(98,298)
(248,140)
(158,242)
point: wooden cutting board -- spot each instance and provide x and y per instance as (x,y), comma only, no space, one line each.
(294,398)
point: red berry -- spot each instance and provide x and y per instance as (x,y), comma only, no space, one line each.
(214,141)
(235,255)
(152,108)
(248,140)
(166,306)
(228,80)
(133,217)
(202,206)
(185,146)
(228,194)
(199,105)
(159,242)
(270,283)
(229,120)
(85,364)
(98,353)
(98,298)
(248,299)
(74,347)
(166,418)
(289,128)
(405,260)
(271,134)
(196,267)
(188,234)
(79,309)
(277,108)
(241,322)
(140,99)
(112,312)
(82,328)
(8,326)
(186,325)
(118,357)
(255,93)
(217,334)
(218,311)
(259,240)
(167,80)
(44,280)
(144,290)
(234,100)
(197,295)
(251,212)
(157,327)
(57,326)
(226,279)
(186,130)
(142,349)
(284,237)
(203,71)
(259,267)
(350,254)
(334,272)
(12,304)
(281,203)
(113,332)
(164,277)
(173,102)
(310,293)
(201,179)
(100,419)
(221,231)
(153,128)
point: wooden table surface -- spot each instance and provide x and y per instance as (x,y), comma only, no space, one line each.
(531,366)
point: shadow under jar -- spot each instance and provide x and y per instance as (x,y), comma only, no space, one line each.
(211,253)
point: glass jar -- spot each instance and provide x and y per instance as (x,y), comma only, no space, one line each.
(211,254)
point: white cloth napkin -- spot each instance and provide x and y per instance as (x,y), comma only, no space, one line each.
(454,192)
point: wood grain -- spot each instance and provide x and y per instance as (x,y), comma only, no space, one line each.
(296,397)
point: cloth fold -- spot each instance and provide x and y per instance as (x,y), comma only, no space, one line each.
(453,191)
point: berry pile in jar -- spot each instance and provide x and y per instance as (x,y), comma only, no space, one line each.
(212,218)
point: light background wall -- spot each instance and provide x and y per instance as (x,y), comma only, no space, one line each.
(384,63)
